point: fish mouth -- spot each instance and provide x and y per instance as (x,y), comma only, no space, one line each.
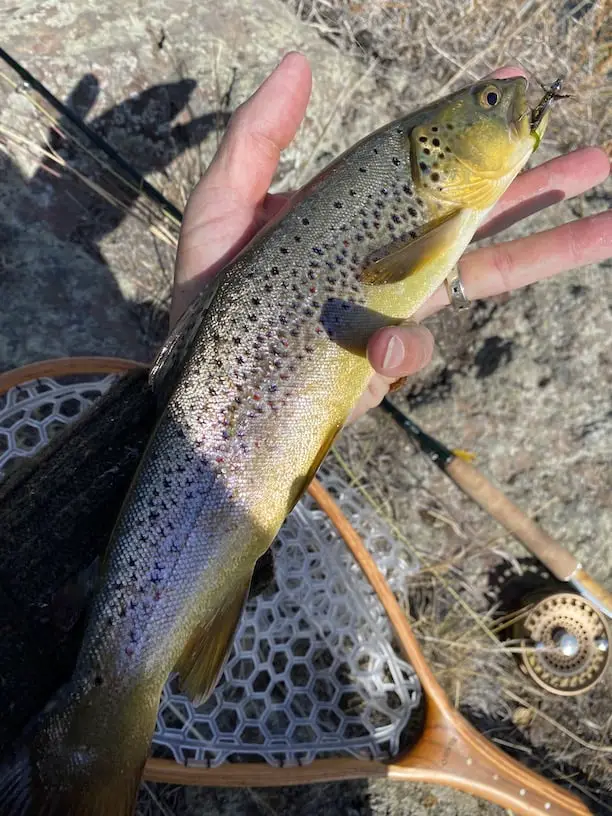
(519,110)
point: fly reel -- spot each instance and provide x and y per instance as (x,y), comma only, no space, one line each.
(563,639)
(565,643)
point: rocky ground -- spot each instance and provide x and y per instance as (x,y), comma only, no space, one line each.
(524,381)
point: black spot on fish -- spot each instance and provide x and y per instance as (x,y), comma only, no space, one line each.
(283,250)
(494,352)
(423,167)
(435,176)
(435,142)
(305,221)
(396,161)
(352,193)
(362,170)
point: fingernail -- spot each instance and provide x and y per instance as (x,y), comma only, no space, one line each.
(394,353)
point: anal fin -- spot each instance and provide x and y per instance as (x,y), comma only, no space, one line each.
(203,658)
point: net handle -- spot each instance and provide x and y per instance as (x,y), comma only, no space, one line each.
(66,366)
(449,752)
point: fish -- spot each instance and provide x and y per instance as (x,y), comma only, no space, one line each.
(263,371)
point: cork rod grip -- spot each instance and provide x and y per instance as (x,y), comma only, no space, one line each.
(556,558)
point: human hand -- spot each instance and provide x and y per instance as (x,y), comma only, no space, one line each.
(231,203)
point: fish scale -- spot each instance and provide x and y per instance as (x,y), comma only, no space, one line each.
(268,374)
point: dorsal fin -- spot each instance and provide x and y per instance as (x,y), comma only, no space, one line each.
(170,358)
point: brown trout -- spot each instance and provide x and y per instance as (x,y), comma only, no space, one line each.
(267,376)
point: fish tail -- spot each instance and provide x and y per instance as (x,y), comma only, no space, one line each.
(74,771)
(15,778)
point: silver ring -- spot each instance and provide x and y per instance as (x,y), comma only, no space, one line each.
(456,293)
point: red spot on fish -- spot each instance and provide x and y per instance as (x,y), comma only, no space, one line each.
(257,397)
(313,289)
(219,459)
(129,650)
(157,595)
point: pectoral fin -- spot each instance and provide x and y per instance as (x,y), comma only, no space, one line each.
(410,257)
(202,661)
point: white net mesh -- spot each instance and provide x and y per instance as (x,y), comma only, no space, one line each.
(312,672)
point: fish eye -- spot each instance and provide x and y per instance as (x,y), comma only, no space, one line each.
(490,97)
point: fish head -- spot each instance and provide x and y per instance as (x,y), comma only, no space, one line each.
(469,146)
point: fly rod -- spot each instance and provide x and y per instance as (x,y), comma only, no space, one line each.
(555,557)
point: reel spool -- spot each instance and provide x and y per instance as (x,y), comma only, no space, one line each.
(566,643)
(564,639)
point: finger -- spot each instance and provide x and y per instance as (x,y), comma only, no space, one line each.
(550,182)
(400,350)
(222,211)
(507,72)
(492,270)
(377,389)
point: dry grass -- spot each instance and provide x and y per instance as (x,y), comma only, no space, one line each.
(425,48)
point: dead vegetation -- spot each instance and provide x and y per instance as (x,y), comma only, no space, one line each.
(424,49)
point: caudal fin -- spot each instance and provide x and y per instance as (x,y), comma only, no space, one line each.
(15,784)
(23,793)
(75,760)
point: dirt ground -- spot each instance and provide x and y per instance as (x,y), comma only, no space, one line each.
(523,381)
